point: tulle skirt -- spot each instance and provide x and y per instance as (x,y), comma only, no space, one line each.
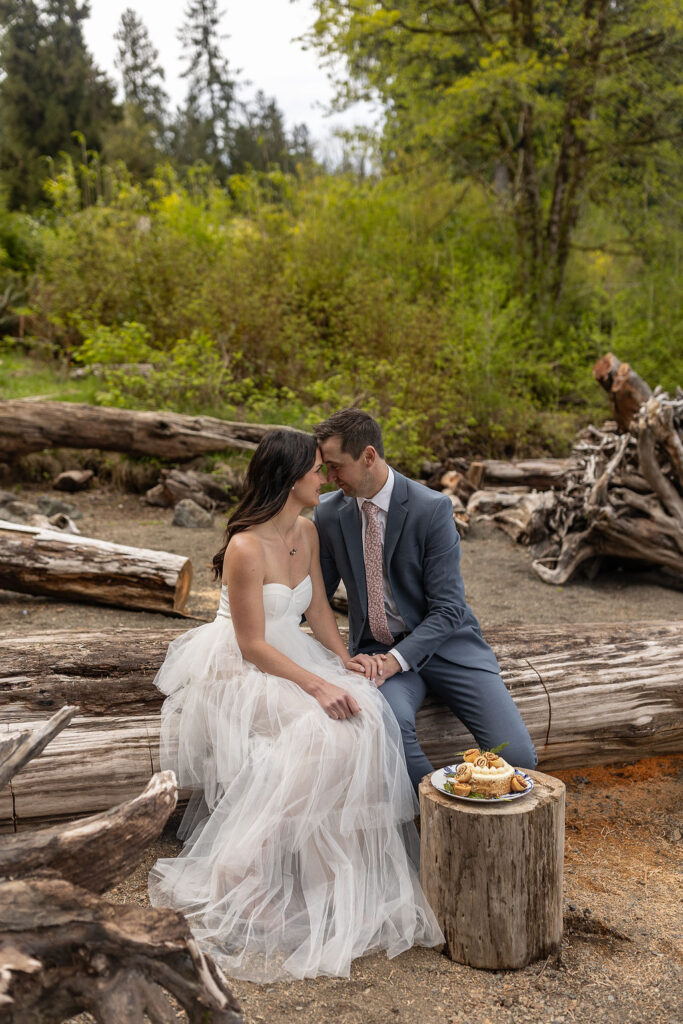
(300,849)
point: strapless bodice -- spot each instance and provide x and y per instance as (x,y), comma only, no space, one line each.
(279,600)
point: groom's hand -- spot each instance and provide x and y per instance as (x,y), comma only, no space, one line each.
(390,667)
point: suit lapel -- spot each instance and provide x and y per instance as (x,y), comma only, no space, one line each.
(349,520)
(398,510)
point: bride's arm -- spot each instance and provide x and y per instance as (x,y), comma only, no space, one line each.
(320,616)
(243,572)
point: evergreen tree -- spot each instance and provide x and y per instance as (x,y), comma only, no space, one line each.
(141,73)
(260,139)
(139,139)
(204,126)
(50,89)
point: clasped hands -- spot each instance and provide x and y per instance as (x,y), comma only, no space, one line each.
(375,667)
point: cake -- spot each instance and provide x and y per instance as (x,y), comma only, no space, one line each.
(484,774)
(491,778)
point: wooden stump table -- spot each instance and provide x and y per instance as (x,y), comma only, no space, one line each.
(492,873)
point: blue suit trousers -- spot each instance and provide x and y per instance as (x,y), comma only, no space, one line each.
(479,698)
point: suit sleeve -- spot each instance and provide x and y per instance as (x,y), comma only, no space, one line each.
(443,588)
(328,563)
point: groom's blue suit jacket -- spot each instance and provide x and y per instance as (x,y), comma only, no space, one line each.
(422,557)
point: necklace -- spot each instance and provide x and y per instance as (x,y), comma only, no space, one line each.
(292,551)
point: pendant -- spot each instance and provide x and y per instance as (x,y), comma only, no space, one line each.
(293,551)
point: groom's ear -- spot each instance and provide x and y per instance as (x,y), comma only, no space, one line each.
(369,455)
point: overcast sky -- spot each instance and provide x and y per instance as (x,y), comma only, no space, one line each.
(261,46)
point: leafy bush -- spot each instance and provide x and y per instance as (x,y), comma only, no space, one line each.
(281,300)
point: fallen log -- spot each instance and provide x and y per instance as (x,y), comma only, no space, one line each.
(537,474)
(588,694)
(19,748)
(486,503)
(31,426)
(74,850)
(64,950)
(76,568)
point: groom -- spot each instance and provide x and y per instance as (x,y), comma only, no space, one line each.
(394,544)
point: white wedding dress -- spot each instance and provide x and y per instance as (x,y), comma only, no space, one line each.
(301,849)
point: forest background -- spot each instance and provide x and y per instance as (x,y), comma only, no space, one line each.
(516,215)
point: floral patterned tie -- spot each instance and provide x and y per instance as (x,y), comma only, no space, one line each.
(373,577)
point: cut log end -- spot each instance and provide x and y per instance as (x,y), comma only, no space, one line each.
(183,585)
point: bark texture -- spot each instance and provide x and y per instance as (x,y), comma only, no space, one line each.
(493,873)
(589,694)
(76,568)
(64,951)
(30,426)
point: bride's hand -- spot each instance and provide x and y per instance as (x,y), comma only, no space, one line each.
(336,703)
(371,665)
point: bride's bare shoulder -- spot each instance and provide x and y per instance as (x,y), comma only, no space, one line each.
(244,554)
(308,530)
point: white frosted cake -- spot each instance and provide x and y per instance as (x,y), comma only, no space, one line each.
(491,778)
(485,774)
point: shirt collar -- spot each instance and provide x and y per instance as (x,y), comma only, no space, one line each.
(383,498)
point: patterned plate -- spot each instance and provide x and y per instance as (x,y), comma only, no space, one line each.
(440,776)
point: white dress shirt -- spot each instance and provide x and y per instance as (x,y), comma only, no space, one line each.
(382,500)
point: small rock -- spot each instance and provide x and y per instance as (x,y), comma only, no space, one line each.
(188,514)
(14,510)
(73,480)
(55,506)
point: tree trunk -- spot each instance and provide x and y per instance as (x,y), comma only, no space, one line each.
(30,426)
(493,873)
(76,568)
(589,694)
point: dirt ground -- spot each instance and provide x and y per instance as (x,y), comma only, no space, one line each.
(622,954)
(499,582)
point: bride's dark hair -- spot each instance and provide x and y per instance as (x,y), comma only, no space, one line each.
(282,458)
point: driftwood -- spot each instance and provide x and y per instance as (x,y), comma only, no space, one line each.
(525,519)
(18,749)
(207,490)
(627,391)
(64,950)
(76,568)
(539,474)
(75,849)
(588,694)
(31,426)
(623,496)
(493,873)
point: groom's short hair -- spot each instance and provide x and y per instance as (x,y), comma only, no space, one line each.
(357,429)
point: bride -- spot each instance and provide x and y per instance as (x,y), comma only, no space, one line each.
(300,847)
